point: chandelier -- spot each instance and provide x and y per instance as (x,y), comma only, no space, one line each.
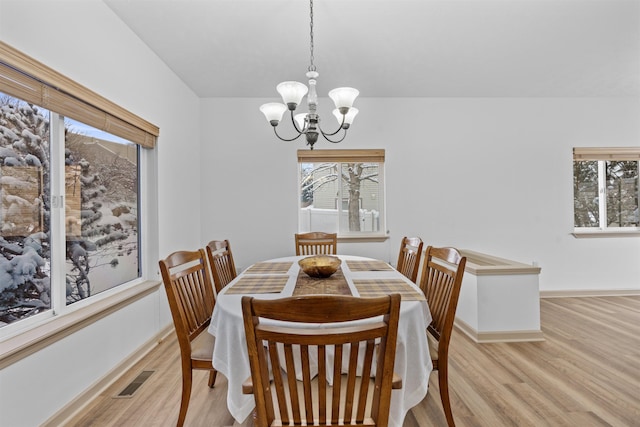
(308,124)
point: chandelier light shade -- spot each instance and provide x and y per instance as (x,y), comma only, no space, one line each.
(308,124)
(292,93)
(343,97)
(273,111)
(299,119)
(348,118)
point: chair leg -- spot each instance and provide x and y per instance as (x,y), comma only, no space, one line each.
(186,395)
(444,391)
(212,377)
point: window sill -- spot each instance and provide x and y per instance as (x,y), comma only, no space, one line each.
(579,234)
(364,238)
(54,329)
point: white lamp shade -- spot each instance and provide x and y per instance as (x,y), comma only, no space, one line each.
(292,92)
(299,118)
(343,97)
(348,118)
(273,111)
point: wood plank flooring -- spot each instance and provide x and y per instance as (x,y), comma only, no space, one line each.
(585,373)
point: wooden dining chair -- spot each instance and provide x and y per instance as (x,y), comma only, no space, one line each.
(409,257)
(352,386)
(191,300)
(223,269)
(441,281)
(316,243)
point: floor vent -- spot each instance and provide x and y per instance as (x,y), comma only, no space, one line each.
(134,385)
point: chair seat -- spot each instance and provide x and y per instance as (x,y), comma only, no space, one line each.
(202,346)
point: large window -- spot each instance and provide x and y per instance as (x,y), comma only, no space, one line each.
(70,175)
(342,191)
(606,192)
(100,173)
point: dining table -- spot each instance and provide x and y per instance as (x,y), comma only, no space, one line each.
(357,276)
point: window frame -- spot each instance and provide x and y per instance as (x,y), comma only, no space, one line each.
(349,156)
(601,155)
(25,78)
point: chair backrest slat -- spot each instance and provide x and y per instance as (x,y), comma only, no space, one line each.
(302,397)
(306,382)
(351,381)
(337,385)
(322,384)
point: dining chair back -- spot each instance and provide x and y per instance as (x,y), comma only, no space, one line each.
(223,268)
(191,300)
(441,281)
(409,257)
(354,362)
(316,243)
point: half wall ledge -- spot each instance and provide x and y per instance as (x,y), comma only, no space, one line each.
(499,300)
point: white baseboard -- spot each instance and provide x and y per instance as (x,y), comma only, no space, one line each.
(498,336)
(76,405)
(590,293)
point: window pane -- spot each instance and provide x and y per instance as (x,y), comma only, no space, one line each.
(319,184)
(101,211)
(25,260)
(585,194)
(622,193)
(340,197)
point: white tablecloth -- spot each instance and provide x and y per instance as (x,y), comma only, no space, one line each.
(412,363)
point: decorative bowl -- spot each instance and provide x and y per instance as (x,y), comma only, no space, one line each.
(320,266)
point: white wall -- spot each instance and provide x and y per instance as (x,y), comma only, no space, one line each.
(85,41)
(492,175)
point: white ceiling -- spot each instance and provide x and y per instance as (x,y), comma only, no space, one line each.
(397,48)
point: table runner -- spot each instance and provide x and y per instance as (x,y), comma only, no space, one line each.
(369,265)
(381,287)
(258,285)
(336,284)
(269,267)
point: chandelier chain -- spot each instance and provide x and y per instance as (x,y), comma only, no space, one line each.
(312,66)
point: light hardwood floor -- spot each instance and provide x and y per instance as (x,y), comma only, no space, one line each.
(585,373)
